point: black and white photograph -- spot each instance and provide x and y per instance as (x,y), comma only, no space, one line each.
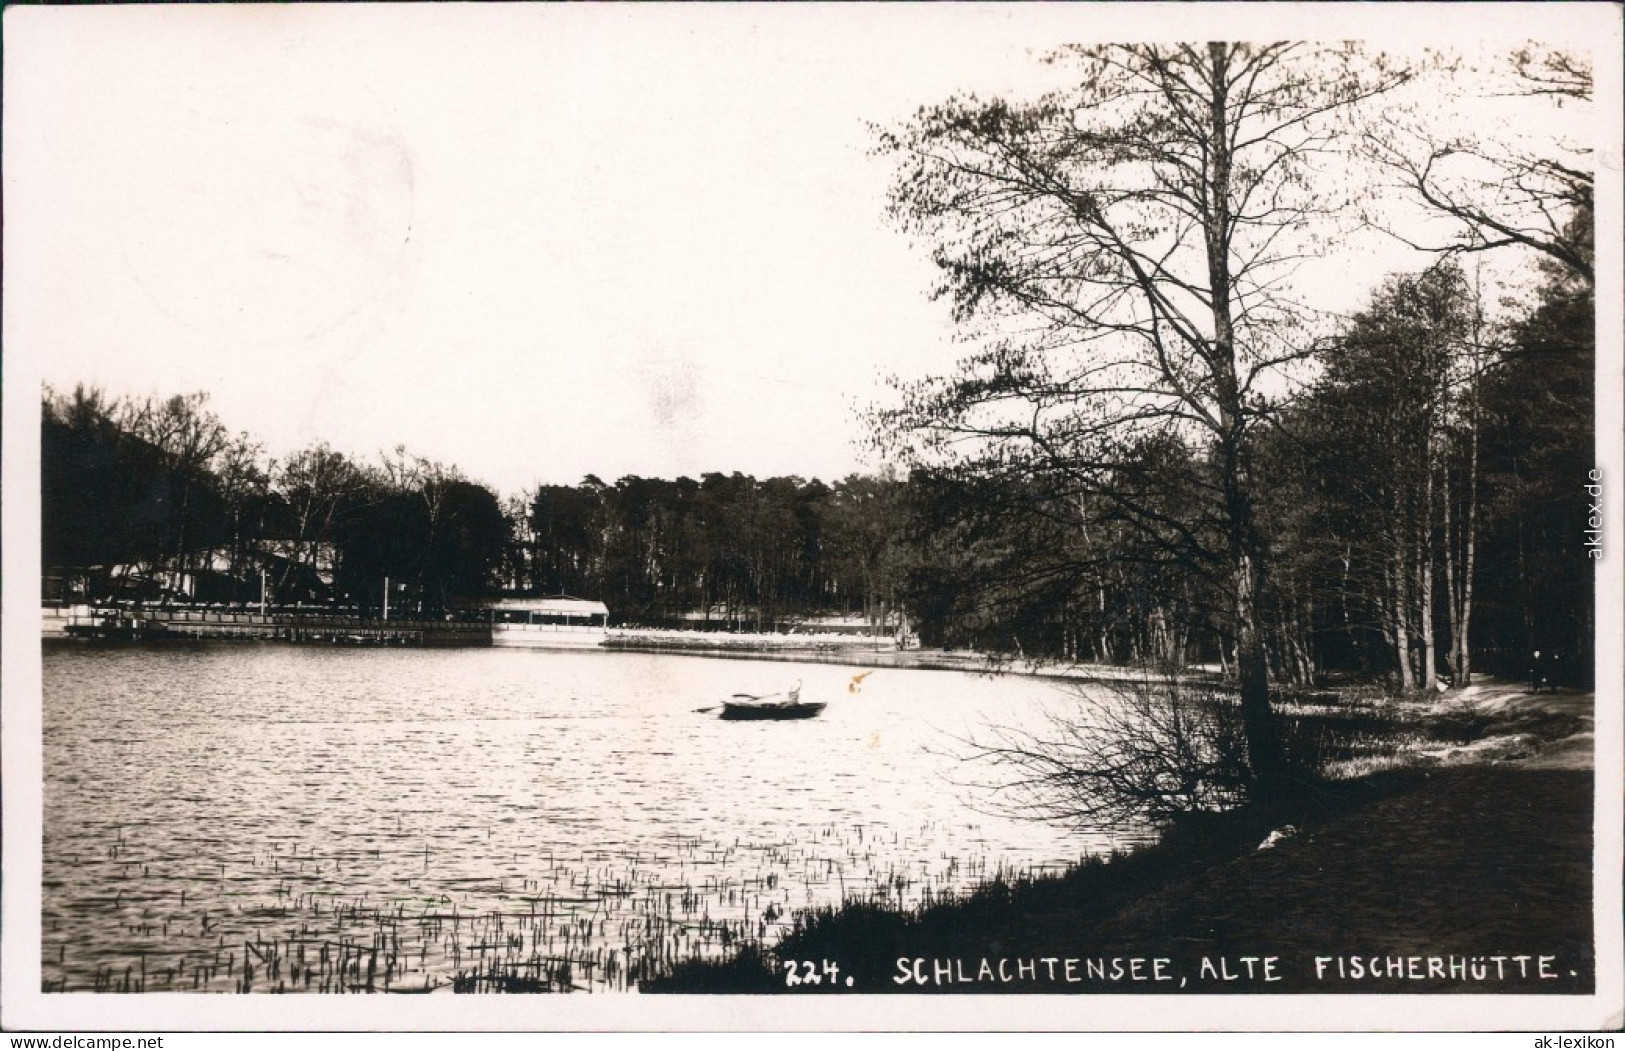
(812,517)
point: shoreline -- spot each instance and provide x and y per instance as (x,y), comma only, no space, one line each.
(852,654)
(829,648)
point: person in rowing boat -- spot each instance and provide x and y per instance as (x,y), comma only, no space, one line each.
(787,705)
(789,697)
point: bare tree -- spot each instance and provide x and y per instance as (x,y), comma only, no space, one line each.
(1129,755)
(1126,245)
(181,427)
(189,439)
(85,408)
(1494,190)
(1461,500)
(244,480)
(313,483)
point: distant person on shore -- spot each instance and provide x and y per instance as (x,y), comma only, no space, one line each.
(1537,672)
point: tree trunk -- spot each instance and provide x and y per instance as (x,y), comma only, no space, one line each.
(1452,580)
(1402,608)
(1258,721)
(1526,598)
(1104,654)
(1356,637)
(1464,674)
(1424,540)
(1303,643)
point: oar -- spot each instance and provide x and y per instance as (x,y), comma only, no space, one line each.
(713,708)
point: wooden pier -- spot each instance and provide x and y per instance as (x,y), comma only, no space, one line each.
(123,623)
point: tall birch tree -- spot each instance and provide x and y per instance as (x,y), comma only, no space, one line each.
(1121,252)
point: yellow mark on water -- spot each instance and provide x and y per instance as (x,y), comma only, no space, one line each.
(874,739)
(857,682)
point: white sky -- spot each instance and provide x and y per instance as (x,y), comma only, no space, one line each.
(535,242)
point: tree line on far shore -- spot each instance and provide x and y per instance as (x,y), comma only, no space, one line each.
(156,498)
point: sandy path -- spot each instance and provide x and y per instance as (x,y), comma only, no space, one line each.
(1513,703)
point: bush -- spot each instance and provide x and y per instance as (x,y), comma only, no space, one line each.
(1133,754)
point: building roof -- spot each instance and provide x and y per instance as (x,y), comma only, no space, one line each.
(556,605)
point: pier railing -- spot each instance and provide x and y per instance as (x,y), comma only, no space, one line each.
(307,625)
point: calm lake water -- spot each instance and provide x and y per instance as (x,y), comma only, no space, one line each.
(247,816)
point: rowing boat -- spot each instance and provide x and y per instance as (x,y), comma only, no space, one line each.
(786,705)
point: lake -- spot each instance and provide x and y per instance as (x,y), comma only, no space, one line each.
(255,816)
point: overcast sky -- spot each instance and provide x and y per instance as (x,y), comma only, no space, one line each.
(535,242)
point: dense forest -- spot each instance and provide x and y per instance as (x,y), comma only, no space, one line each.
(1118,474)
(156,499)
(1424,505)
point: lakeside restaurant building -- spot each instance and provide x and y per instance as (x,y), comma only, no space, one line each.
(558,622)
